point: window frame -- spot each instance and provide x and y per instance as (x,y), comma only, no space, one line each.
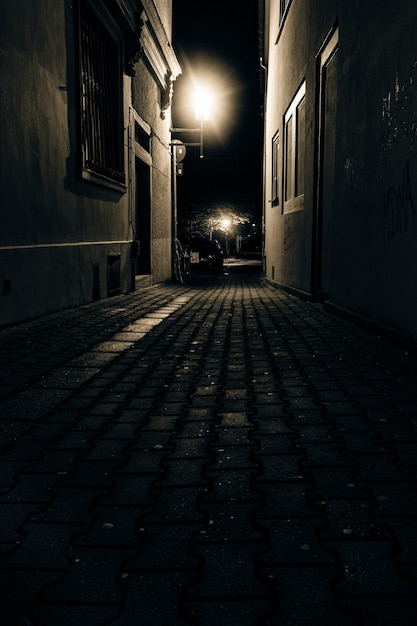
(275,171)
(101,96)
(291,200)
(283,9)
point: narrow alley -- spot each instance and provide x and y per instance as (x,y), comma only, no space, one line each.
(214,453)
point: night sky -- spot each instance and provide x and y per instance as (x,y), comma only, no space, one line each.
(217,46)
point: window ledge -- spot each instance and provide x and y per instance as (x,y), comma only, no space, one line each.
(103,181)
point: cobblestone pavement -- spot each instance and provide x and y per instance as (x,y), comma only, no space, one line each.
(215,453)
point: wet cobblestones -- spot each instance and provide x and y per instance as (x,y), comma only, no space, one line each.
(215,452)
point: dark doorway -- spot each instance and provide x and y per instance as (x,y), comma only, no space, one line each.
(326,148)
(143,216)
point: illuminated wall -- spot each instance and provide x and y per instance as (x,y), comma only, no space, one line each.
(340,155)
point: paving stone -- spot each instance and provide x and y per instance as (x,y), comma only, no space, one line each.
(176,504)
(18,590)
(114,526)
(317,433)
(370,570)
(294,541)
(338,408)
(24,451)
(244,613)
(325,454)
(235,436)
(230,457)
(183,472)
(31,488)
(228,571)
(59,462)
(13,515)
(266,411)
(74,440)
(150,440)
(69,505)
(383,611)
(286,500)
(105,449)
(233,419)
(192,429)
(42,547)
(229,522)
(394,499)
(379,467)
(270,399)
(279,468)
(125,430)
(140,404)
(155,597)
(147,461)
(92,577)
(89,474)
(362,442)
(9,472)
(335,482)
(45,432)
(190,448)
(309,416)
(350,424)
(204,415)
(397,432)
(405,530)
(161,422)
(405,456)
(32,404)
(229,485)
(130,489)
(352,520)
(304,597)
(70,615)
(165,547)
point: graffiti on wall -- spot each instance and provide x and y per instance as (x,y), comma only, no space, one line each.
(288,233)
(399,142)
(398,203)
(399,114)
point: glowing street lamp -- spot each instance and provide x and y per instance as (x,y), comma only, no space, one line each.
(225,224)
(202,108)
(203,104)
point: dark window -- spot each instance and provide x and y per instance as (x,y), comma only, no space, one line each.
(300,148)
(101,99)
(289,159)
(275,170)
(294,152)
(283,7)
(142,137)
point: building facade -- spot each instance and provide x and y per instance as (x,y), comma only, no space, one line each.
(340,177)
(85,164)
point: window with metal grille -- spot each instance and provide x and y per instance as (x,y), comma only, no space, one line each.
(101,100)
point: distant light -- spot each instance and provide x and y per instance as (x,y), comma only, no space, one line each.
(203,102)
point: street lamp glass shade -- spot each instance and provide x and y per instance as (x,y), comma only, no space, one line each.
(203,104)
